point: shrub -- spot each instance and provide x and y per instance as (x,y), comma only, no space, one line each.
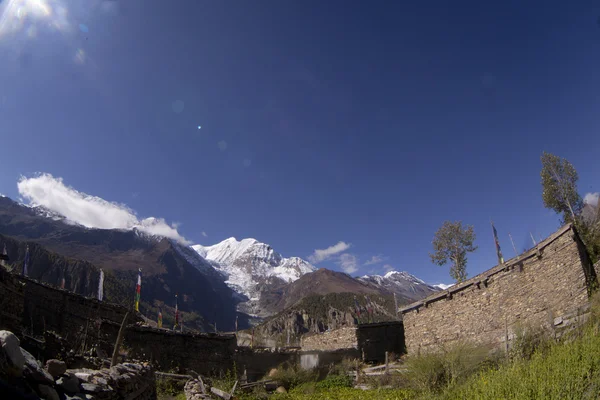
(226,381)
(527,341)
(335,381)
(450,366)
(291,375)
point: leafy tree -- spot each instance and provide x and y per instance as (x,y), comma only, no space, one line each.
(559,187)
(451,243)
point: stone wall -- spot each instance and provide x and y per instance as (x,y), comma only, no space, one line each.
(537,288)
(123,381)
(374,340)
(166,350)
(46,308)
(11,302)
(342,338)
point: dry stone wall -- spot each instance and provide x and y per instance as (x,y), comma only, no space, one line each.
(342,338)
(538,288)
(11,302)
(46,308)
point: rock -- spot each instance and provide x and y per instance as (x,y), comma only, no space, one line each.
(100,381)
(9,344)
(272,372)
(91,388)
(56,368)
(83,376)
(33,371)
(47,392)
(280,389)
(78,396)
(69,383)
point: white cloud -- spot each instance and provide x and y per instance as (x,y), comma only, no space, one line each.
(323,254)
(204,234)
(592,198)
(348,263)
(90,211)
(388,268)
(376,260)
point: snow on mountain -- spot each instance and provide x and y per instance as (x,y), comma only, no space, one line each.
(250,265)
(401,283)
(443,286)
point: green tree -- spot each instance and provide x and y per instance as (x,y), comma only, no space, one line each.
(559,187)
(451,243)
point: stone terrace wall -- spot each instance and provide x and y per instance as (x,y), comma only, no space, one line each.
(342,338)
(204,353)
(537,288)
(49,308)
(11,302)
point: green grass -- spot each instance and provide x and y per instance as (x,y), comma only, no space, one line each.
(569,370)
(340,393)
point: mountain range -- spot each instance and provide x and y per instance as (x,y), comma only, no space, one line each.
(243,279)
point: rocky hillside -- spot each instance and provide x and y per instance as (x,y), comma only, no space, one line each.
(320,282)
(318,313)
(168,267)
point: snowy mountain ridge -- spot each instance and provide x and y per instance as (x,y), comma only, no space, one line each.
(249,265)
(402,283)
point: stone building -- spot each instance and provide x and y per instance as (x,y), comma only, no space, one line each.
(547,286)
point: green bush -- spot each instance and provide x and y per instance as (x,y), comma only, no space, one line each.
(225,382)
(335,381)
(451,365)
(527,341)
(291,375)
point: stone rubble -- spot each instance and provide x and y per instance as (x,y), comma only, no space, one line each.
(20,370)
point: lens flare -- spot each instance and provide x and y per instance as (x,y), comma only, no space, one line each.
(23,16)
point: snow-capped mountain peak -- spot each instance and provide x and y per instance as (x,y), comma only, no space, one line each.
(249,264)
(401,283)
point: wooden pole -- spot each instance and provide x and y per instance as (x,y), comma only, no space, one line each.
(513,244)
(534,242)
(387,362)
(119,340)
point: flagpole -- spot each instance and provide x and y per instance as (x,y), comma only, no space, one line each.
(534,242)
(513,244)
(497,242)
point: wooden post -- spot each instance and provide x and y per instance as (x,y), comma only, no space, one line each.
(119,340)
(506,335)
(387,362)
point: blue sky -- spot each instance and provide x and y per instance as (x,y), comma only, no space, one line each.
(321,122)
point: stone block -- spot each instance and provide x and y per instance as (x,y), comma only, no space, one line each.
(10,347)
(56,368)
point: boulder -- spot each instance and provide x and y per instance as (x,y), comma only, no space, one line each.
(56,368)
(33,371)
(47,392)
(78,396)
(69,383)
(272,372)
(280,389)
(9,345)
